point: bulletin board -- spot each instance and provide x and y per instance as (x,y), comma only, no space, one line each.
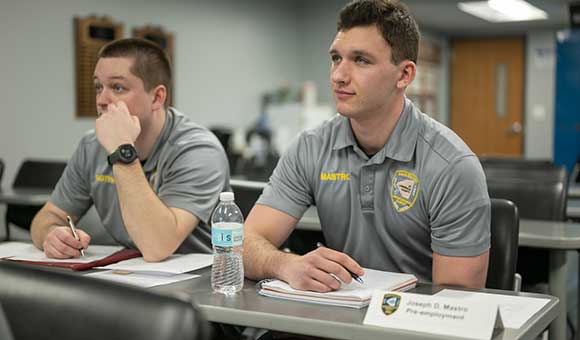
(165,40)
(91,33)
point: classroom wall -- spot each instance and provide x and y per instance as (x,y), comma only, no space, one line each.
(227,53)
(539,95)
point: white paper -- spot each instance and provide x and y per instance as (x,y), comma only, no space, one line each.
(92,253)
(144,279)
(177,263)
(8,249)
(349,295)
(469,319)
(514,310)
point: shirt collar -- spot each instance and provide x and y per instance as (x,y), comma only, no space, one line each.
(401,143)
(151,162)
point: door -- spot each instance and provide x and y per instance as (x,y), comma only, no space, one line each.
(487,94)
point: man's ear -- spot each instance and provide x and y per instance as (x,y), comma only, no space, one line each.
(159,97)
(408,71)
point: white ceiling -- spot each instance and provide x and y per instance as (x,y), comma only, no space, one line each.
(443,16)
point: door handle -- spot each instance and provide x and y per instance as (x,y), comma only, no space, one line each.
(515,128)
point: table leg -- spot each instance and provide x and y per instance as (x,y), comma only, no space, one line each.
(558,289)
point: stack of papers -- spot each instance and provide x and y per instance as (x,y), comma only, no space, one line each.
(353,295)
(137,272)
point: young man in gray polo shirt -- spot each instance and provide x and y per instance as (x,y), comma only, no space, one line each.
(394,189)
(153,175)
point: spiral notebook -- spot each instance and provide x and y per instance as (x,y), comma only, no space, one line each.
(353,295)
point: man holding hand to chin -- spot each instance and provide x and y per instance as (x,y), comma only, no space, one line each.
(153,175)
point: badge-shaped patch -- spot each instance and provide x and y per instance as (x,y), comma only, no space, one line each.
(390,303)
(404,190)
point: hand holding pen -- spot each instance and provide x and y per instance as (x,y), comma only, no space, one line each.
(74,231)
(353,275)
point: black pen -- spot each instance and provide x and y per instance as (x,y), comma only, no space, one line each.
(353,275)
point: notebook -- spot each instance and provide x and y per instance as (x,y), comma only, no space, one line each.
(95,256)
(353,295)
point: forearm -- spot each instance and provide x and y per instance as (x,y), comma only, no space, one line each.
(42,224)
(262,259)
(149,222)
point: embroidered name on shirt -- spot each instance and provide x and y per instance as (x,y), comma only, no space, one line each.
(334,176)
(105,178)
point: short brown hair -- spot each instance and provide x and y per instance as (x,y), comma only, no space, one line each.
(151,63)
(394,21)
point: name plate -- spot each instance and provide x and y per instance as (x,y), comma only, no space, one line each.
(473,318)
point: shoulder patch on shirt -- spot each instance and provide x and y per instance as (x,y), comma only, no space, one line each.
(404,190)
(104,178)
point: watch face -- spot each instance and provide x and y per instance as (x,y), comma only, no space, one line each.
(127,152)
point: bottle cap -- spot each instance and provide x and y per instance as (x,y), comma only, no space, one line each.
(226,196)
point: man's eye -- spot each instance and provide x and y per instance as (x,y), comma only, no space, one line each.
(335,58)
(118,88)
(98,88)
(361,60)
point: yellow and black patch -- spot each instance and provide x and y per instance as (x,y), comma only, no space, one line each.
(404,190)
(390,303)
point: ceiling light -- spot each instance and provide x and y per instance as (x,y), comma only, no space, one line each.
(503,10)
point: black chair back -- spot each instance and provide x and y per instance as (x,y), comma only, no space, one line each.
(246,194)
(539,193)
(516,162)
(35,175)
(505,225)
(5,331)
(1,170)
(47,304)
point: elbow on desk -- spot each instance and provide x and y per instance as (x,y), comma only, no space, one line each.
(155,255)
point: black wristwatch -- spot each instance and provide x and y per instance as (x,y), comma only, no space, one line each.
(125,154)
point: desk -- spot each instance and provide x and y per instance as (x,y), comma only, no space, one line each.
(555,236)
(574,191)
(251,309)
(573,208)
(25,196)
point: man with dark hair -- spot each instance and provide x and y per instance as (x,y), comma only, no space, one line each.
(153,175)
(394,189)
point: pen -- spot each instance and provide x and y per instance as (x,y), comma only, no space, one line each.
(74,231)
(353,275)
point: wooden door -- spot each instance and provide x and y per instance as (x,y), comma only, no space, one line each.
(487,94)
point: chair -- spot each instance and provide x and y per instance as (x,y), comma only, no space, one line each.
(34,175)
(246,194)
(503,256)
(48,304)
(5,332)
(539,193)
(1,170)
(516,162)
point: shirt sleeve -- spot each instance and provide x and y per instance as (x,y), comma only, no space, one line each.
(288,189)
(460,210)
(72,192)
(194,179)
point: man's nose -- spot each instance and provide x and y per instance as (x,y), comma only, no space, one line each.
(103,99)
(340,73)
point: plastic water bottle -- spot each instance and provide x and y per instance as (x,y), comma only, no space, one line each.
(227,236)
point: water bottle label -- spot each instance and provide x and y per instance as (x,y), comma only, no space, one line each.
(227,234)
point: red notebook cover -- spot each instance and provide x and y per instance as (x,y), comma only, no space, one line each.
(123,254)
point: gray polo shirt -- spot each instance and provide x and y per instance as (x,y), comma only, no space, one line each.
(424,192)
(187,169)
